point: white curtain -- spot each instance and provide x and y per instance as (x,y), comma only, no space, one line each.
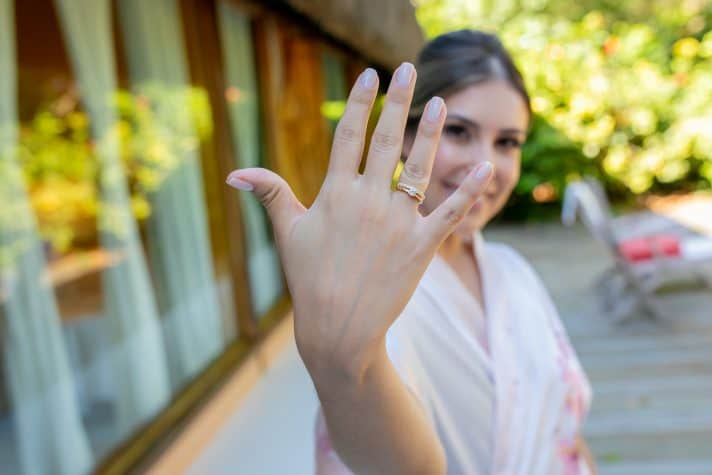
(129,305)
(243,107)
(178,232)
(41,386)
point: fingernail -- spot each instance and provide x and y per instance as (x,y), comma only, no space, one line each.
(235,182)
(484,171)
(368,78)
(433,109)
(404,74)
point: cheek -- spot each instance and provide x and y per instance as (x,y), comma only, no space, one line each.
(502,184)
(443,166)
(507,175)
(444,161)
(510,175)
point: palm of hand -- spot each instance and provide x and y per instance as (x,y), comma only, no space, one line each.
(354,258)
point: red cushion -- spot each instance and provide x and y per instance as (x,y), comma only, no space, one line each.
(646,248)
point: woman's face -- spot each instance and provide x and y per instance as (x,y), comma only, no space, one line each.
(485,122)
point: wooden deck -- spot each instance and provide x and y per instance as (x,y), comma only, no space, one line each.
(652,410)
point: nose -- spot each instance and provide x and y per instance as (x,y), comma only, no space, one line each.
(478,152)
(484,151)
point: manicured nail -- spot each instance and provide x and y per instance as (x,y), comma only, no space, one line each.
(235,182)
(433,109)
(404,74)
(369,78)
(484,171)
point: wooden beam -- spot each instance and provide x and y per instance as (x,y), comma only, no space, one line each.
(385,31)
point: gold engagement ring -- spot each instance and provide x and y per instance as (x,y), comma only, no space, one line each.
(412,191)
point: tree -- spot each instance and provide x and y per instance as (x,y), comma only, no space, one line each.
(620,90)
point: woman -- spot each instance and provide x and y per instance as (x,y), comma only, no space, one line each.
(467,370)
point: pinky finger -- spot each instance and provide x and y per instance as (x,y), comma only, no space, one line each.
(443,220)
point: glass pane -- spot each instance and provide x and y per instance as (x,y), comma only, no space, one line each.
(108,296)
(177,227)
(242,99)
(335,92)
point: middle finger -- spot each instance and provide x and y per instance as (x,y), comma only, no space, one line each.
(387,140)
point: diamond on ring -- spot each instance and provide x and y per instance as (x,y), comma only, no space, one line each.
(412,191)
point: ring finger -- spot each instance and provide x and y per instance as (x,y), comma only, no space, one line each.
(418,166)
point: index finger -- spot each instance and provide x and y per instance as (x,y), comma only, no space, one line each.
(387,140)
(350,132)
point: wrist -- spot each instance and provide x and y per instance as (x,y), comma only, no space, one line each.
(341,366)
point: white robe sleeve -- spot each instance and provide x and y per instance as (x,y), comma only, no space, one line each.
(400,346)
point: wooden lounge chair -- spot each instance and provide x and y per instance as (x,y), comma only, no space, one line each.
(648,251)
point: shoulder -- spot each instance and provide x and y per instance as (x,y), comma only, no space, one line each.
(411,334)
(423,306)
(506,254)
(414,320)
(518,274)
(407,346)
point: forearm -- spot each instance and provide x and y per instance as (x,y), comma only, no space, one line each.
(353,293)
(375,424)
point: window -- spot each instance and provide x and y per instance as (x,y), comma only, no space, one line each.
(242,98)
(120,287)
(108,292)
(335,88)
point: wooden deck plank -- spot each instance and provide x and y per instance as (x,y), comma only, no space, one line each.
(674,467)
(652,381)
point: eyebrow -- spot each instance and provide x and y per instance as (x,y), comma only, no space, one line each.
(475,125)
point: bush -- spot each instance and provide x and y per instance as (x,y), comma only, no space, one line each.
(620,90)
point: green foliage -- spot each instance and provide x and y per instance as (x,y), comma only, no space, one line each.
(58,162)
(15,215)
(620,90)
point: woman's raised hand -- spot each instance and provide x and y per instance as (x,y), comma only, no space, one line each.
(353,260)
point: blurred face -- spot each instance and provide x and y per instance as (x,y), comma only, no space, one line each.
(485,121)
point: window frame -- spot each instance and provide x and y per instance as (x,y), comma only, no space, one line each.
(200,23)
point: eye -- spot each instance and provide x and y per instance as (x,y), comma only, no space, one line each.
(457,132)
(509,143)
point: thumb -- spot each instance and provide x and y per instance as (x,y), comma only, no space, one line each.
(273,192)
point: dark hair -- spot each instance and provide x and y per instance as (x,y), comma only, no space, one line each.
(455,60)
